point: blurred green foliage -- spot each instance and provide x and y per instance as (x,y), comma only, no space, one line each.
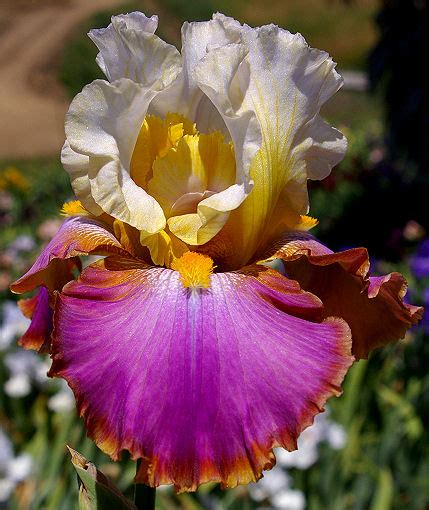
(319,24)
(48,186)
(316,19)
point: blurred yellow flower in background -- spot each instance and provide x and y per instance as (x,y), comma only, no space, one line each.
(12,177)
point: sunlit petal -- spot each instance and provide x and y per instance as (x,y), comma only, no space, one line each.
(77,236)
(282,81)
(372,306)
(206,394)
(129,49)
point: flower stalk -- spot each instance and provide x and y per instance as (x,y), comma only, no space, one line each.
(144,496)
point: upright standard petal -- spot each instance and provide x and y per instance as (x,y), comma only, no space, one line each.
(240,367)
(104,121)
(221,75)
(129,49)
(78,166)
(185,95)
(373,307)
(284,83)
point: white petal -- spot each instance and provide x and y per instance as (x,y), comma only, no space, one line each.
(22,362)
(6,488)
(6,450)
(226,200)
(289,82)
(288,499)
(223,75)
(323,148)
(62,401)
(20,467)
(185,96)
(283,83)
(336,436)
(18,386)
(22,243)
(78,167)
(102,124)
(14,324)
(129,49)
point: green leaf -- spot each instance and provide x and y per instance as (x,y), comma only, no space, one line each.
(96,491)
(385,491)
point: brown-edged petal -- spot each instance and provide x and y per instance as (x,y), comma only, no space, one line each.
(372,306)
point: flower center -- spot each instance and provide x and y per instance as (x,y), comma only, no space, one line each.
(189,174)
(182,169)
(195,270)
(188,202)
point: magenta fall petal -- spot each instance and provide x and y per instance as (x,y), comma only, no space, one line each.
(38,334)
(77,236)
(201,384)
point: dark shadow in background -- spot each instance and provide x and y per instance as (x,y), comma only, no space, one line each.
(397,188)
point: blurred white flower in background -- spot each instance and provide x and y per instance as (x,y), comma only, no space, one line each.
(13,469)
(276,485)
(16,253)
(63,401)
(21,244)
(12,325)
(25,369)
(322,430)
(48,228)
(288,499)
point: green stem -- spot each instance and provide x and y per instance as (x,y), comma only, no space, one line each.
(144,496)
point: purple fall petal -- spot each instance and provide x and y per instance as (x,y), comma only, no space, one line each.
(202,384)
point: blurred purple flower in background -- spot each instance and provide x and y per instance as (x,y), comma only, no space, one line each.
(419,262)
(425,320)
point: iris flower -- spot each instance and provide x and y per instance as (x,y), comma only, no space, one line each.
(215,327)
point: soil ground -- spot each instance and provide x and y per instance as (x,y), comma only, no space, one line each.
(32,103)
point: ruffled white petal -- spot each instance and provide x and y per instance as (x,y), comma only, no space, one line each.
(102,124)
(275,76)
(129,49)
(324,148)
(223,76)
(185,96)
(78,167)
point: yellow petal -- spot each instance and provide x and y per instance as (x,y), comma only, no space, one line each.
(198,163)
(283,83)
(128,236)
(164,247)
(196,229)
(190,183)
(156,136)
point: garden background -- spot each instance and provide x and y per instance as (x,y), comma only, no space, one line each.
(371,450)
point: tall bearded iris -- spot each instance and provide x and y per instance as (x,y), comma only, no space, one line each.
(215,328)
